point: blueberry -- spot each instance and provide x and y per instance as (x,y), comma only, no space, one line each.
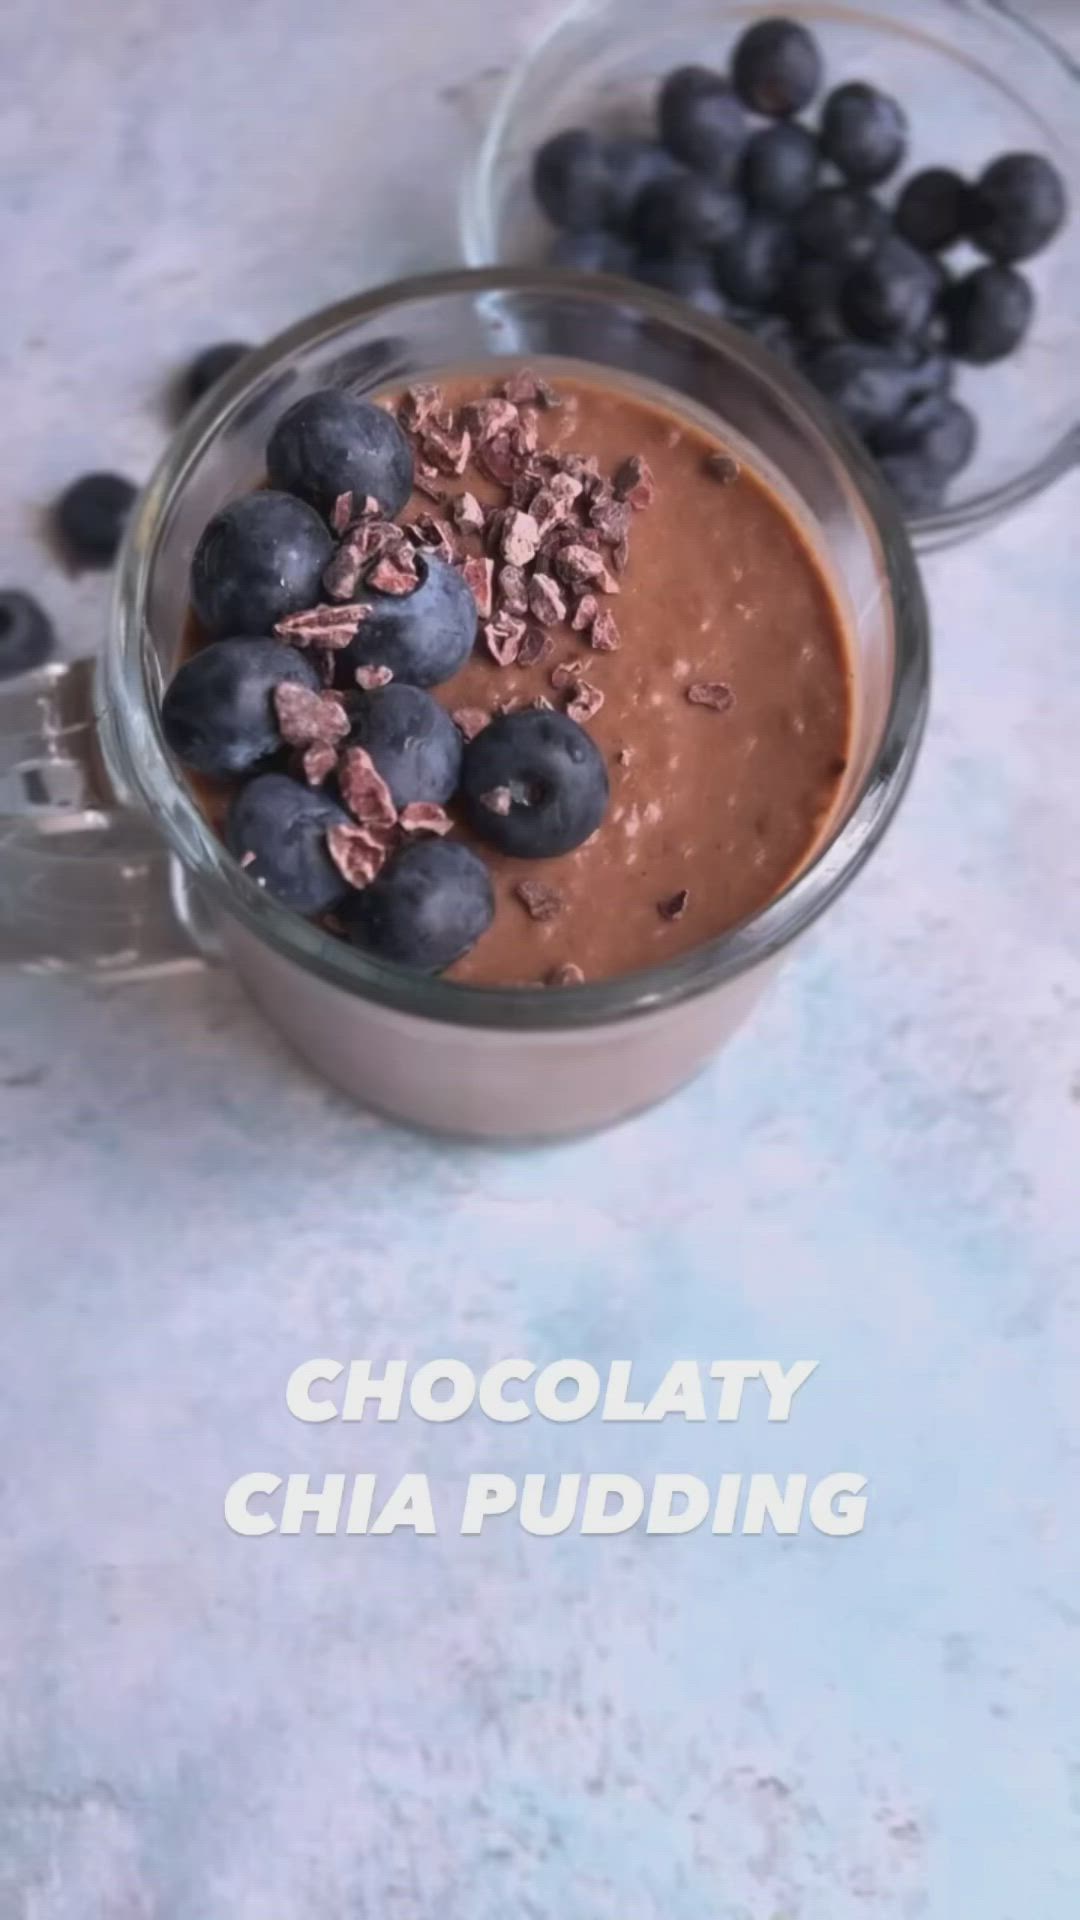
(331,442)
(988,312)
(427,907)
(573,180)
(218,712)
(893,294)
(412,740)
(91,516)
(872,385)
(841,225)
(260,558)
(932,210)
(285,825)
(779,168)
(595,252)
(210,366)
(812,301)
(753,267)
(685,212)
(918,486)
(863,133)
(1016,207)
(423,636)
(635,163)
(27,637)
(940,430)
(687,275)
(554,774)
(776,67)
(701,122)
(771,330)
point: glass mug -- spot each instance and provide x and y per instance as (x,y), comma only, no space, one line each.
(108,866)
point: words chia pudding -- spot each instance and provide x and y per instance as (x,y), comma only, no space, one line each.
(521,676)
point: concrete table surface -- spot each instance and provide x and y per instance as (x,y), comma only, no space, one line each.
(881,1174)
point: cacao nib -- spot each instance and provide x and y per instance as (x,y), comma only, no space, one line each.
(539,901)
(478,574)
(604,634)
(513,589)
(359,853)
(468,513)
(307,719)
(329,627)
(711,693)
(634,482)
(546,603)
(419,405)
(503,637)
(364,791)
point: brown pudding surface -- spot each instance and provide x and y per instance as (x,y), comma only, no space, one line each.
(723,803)
(721,586)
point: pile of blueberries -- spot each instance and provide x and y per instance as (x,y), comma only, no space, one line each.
(88,522)
(745,212)
(531,783)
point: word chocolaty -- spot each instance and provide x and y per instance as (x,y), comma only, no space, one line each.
(542,1504)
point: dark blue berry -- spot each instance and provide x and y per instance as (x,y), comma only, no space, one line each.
(591,252)
(893,294)
(635,163)
(210,366)
(331,442)
(27,638)
(812,301)
(701,122)
(218,712)
(285,825)
(940,430)
(1017,206)
(412,740)
(776,67)
(427,907)
(779,168)
(841,225)
(91,515)
(423,636)
(863,133)
(753,267)
(685,212)
(872,385)
(258,560)
(988,313)
(555,777)
(687,275)
(573,180)
(932,211)
(919,487)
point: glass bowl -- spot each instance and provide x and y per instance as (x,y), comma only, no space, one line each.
(975,79)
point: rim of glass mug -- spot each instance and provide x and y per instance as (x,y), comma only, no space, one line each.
(140,764)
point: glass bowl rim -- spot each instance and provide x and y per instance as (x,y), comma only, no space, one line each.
(142,766)
(928,532)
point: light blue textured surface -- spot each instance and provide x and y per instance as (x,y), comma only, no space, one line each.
(880,1173)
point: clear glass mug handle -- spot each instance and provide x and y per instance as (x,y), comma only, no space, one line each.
(86,885)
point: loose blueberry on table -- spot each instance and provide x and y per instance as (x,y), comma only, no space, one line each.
(744,211)
(208,367)
(482,708)
(27,637)
(91,515)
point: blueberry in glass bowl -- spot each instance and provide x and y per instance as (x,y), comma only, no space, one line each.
(952,132)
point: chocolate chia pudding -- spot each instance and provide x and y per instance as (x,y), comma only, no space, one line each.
(629,571)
